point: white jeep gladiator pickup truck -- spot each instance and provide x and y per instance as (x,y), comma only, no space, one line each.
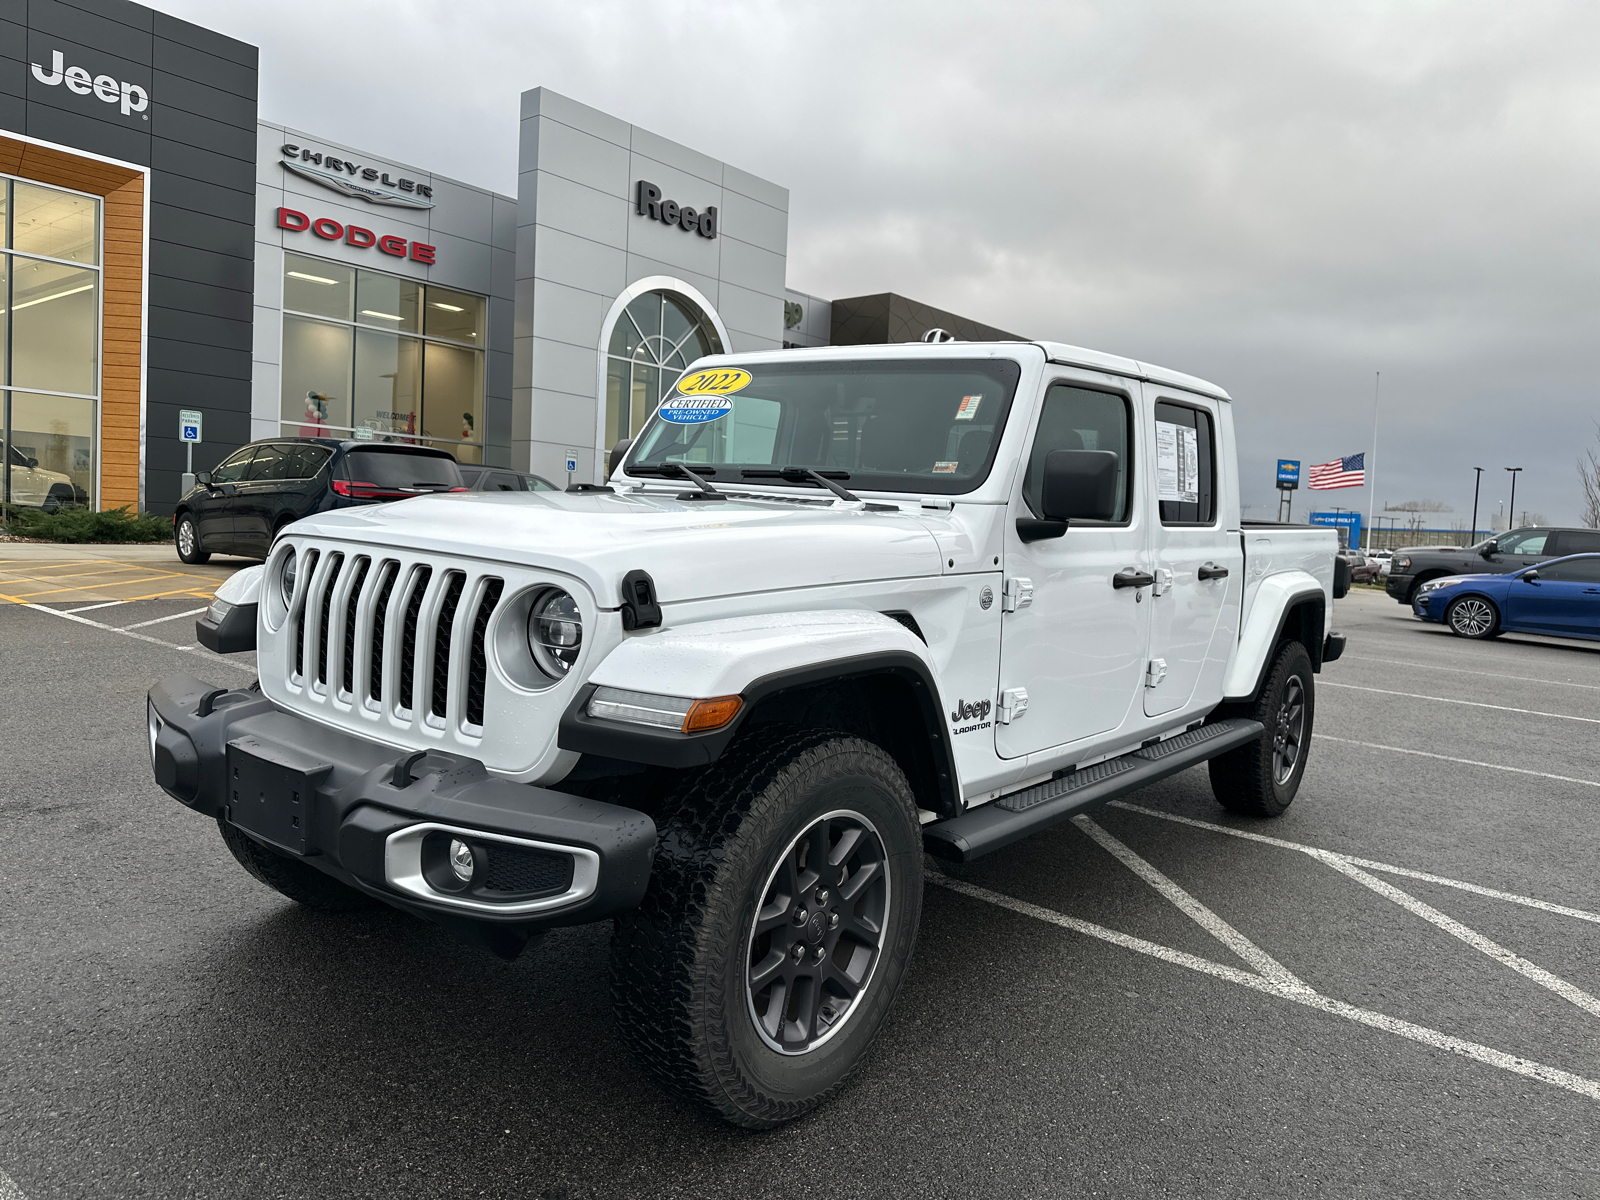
(835,609)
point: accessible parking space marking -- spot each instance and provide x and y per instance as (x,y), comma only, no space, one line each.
(192,612)
(1280,982)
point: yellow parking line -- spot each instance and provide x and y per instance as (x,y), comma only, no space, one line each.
(91,587)
(195,592)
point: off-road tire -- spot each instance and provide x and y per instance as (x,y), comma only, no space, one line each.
(301,883)
(680,961)
(1246,781)
(188,544)
(1473,617)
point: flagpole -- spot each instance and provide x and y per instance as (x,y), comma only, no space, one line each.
(1372,500)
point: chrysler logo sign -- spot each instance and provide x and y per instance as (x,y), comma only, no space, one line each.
(371,184)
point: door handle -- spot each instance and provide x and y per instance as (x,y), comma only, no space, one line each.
(1212,571)
(1132,578)
(1591,591)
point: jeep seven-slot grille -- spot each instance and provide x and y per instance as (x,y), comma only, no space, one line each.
(349,654)
(441,641)
(410,627)
(380,620)
(477,654)
(408,637)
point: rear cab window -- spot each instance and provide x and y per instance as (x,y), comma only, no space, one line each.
(395,472)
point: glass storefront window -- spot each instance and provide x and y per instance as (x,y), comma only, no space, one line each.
(49,344)
(55,224)
(316,377)
(657,336)
(54,326)
(390,359)
(323,289)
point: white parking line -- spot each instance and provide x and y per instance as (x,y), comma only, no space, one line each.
(1230,937)
(102,604)
(1465,762)
(1369,864)
(193,612)
(1531,712)
(1395,662)
(1375,1020)
(199,650)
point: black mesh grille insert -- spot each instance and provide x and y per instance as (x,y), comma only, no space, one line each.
(307,568)
(441,641)
(477,657)
(335,561)
(380,619)
(362,564)
(516,869)
(408,637)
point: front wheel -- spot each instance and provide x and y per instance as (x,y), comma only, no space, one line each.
(1472,617)
(1260,779)
(187,539)
(782,911)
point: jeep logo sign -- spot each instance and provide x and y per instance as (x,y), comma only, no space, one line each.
(669,212)
(132,97)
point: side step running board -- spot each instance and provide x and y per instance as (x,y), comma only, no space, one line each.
(1013,817)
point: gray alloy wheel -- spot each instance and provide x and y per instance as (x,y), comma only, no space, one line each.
(187,539)
(1289,733)
(1472,617)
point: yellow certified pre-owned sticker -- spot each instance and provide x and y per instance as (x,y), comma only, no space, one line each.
(715,381)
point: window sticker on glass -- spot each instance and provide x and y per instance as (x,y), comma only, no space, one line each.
(694,410)
(945,468)
(968,408)
(1177,463)
(714,382)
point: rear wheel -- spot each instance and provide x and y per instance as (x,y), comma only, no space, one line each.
(782,910)
(301,883)
(1472,617)
(187,539)
(1262,778)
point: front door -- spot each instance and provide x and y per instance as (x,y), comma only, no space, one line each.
(261,496)
(1078,645)
(1518,549)
(214,506)
(1197,565)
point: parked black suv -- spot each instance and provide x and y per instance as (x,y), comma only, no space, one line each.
(1414,565)
(239,507)
(503,479)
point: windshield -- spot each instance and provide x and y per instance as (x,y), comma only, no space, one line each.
(403,468)
(926,425)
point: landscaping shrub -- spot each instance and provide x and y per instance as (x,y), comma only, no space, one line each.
(85,525)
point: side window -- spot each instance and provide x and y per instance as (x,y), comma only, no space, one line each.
(1577,570)
(1575,541)
(233,468)
(1076,418)
(305,461)
(1531,542)
(1186,465)
(270,462)
(501,481)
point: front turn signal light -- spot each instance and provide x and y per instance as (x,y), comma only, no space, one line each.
(711,714)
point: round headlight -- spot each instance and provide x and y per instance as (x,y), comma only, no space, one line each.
(286,578)
(555,632)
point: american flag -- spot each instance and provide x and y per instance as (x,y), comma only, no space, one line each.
(1340,473)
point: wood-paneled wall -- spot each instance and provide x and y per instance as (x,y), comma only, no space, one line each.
(121,368)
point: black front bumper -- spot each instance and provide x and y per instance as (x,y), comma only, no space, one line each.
(359,811)
(1399,586)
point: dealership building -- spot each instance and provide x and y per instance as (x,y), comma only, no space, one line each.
(165,252)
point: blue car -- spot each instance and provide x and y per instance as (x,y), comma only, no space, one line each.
(1560,598)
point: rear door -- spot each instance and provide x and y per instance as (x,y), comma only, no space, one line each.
(1070,638)
(1565,599)
(1198,567)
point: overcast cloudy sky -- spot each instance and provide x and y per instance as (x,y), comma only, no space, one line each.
(1282,197)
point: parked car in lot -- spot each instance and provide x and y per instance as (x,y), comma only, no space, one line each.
(1502,554)
(836,608)
(34,487)
(239,507)
(503,479)
(1559,598)
(1363,567)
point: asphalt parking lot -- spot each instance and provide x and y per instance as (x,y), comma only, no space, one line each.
(1389,991)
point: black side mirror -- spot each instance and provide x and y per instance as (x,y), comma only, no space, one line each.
(203,478)
(618,453)
(1488,549)
(1530,576)
(1078,485)
(33,462)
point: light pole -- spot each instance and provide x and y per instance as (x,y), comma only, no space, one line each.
(1476,481)
(1511,509)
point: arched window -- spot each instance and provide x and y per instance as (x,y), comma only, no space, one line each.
(655,338)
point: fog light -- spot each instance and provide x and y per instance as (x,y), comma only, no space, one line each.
(462,861)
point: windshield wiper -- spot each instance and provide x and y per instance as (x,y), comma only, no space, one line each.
(676,470)
(804,474)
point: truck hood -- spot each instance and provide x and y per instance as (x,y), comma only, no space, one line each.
(694,550)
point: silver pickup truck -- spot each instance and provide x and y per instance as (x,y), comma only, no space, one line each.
(834,610)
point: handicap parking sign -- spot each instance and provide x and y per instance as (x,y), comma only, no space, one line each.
(189,425)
